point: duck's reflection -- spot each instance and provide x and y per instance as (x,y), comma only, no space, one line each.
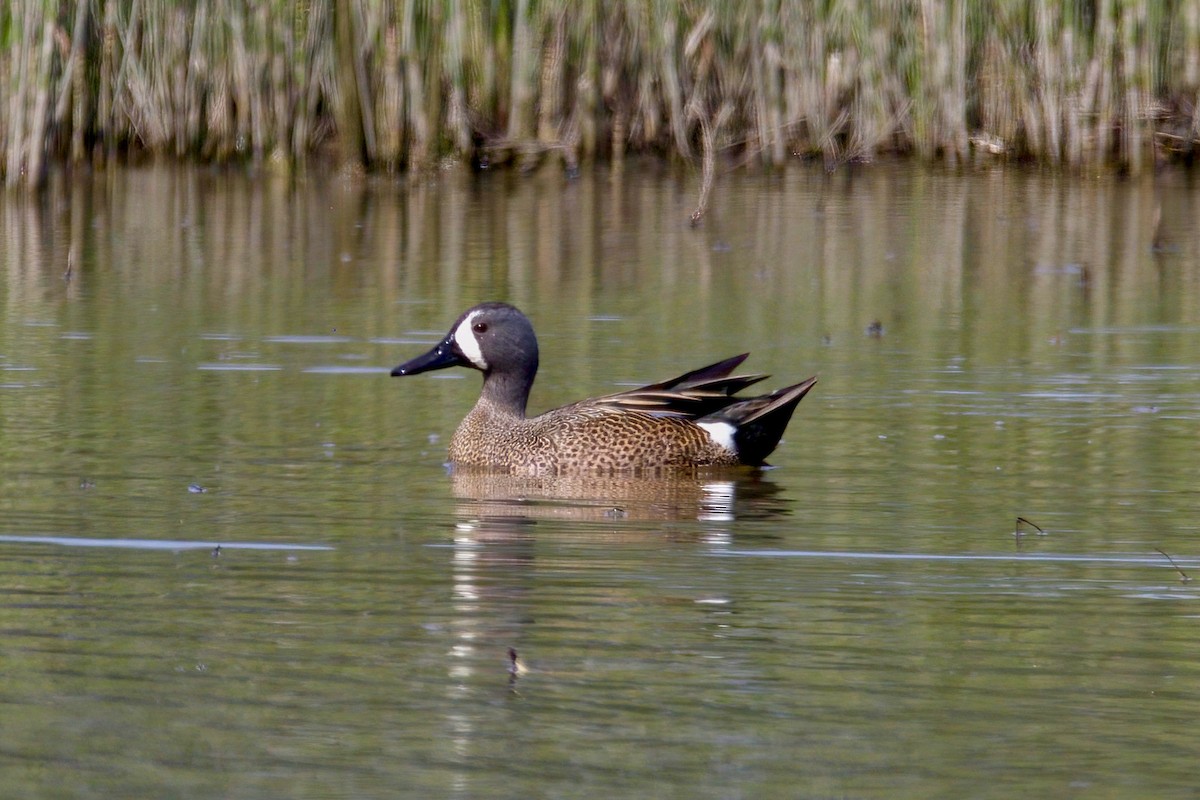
(500,550)
(623,500)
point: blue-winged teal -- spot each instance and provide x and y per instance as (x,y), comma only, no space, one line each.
(690,421)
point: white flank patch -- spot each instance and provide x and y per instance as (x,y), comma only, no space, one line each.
(721,433)
(465,338)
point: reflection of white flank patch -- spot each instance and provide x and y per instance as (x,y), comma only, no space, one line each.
(721,433)
(718,502)
(465,338)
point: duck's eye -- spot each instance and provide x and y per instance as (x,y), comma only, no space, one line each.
(479,327)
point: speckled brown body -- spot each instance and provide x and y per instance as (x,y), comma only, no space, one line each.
(581,437)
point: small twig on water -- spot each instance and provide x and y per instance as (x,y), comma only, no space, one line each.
(1183,576)
(516,667)
(1021,520)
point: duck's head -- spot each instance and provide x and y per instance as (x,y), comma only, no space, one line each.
(494,338)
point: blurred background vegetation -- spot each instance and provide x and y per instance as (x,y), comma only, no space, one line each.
(400,84)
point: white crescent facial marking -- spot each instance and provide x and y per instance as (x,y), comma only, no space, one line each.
(464,337)
(721,433)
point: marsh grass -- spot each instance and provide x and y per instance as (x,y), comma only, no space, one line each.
(399,84)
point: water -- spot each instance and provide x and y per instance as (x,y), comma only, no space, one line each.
(234,565)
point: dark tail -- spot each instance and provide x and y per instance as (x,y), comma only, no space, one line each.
(759,422)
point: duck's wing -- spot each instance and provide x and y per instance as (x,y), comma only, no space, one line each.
(712,372)
(691,395)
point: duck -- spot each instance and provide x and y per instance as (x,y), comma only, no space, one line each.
(688,422)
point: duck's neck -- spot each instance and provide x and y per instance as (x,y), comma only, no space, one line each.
(507,392)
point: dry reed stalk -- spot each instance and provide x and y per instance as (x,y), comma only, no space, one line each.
(553,79)
(1190,44)
(71,78)
(870,119)
(457,111)
(390,99)
(1072,121)
(801,87)
(36,152)
(521,91)
(776,120)
(433,79)
(195,79)
(362,86)
(668,60)
(241,79)
(419,126)
(25,21)
(104,109)
(81,113)
(587,82)
(762,127)
(284,90)
(316,58)
(347,101)
(645,115)
(1106,49)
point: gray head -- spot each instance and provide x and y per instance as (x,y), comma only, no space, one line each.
(494,338)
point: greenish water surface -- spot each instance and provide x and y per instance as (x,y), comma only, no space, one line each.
(191,359)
